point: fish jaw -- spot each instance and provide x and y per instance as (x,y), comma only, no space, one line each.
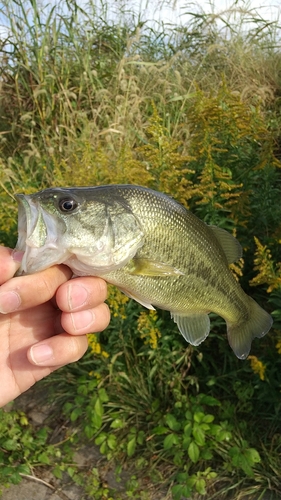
(39,237)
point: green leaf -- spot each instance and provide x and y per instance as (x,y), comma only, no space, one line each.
(188,429)
(208,419)
(209,400)
(199,416)
(57,472)
(191,480)
(10,444)
(186,442)
(179,490)
(96,420)
(100,439)
(207,454)
(103,448)
(141,437)
(246,466)
(160,429)
(252,455)
(131,446)
(234,453)
(223,435)
(99,408)
(172,422)
(200,486)
(103,395)
(75,414)
(112,441)
(193,452)
(71,471)
(89,431)
(170,441)
(117,423)
(44,458)
(198,434)
(182,477)
(15,478)
(24,469)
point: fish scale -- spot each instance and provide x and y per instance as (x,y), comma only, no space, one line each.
(151,247)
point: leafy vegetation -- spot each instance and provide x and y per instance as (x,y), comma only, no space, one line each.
(193,111)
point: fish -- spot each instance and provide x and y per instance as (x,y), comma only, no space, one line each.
(151,247)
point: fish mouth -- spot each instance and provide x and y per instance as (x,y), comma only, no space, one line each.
(38,236)
(28,218)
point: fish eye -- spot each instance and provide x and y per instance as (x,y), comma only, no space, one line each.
(68,205)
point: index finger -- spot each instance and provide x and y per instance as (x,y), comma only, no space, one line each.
(24,292)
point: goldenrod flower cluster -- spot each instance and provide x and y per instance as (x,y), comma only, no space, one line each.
(95,346)
(267,271)
(147,327)
(117,302)
(257,366)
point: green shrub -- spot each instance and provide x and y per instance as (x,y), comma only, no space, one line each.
(192,111)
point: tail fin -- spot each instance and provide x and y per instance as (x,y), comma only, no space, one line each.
(240,335)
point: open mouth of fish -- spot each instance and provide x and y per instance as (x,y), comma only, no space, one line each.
(38,236)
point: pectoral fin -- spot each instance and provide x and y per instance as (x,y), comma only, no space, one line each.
(146,267)
(194,327)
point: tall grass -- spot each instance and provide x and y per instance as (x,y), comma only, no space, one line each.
(69,73)
(192,109)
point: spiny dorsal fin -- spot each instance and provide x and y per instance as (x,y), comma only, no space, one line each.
(230,245)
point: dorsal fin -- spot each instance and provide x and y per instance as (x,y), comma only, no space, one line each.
(230,245)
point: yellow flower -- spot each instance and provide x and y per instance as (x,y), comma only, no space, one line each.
(257,366)
(94,344)
(269,272)
(117,302)
(95,375)
(148,329)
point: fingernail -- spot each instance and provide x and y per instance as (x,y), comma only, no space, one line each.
(83,319)
(9,302)
(41,353)
(77,296)
(17,256)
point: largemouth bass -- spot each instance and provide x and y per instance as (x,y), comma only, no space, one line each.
(150,247)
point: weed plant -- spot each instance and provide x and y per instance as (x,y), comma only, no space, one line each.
(192,110)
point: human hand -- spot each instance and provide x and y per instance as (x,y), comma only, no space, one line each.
(44,319)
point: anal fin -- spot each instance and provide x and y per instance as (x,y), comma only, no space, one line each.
(194,327)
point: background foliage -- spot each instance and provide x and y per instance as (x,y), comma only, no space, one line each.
(192,110)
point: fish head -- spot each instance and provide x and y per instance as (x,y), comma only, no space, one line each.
(91,234)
